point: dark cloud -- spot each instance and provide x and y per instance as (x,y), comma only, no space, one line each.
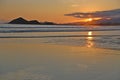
(103,14)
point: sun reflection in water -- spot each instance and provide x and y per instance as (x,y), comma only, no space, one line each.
(90,39)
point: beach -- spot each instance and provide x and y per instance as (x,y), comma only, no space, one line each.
(59,55)
(33,61)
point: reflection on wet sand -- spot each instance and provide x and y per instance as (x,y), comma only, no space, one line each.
(90,42)
(43,61)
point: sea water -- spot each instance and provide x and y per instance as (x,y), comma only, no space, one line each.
(102,36)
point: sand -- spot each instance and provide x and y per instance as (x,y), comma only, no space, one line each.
(44,61)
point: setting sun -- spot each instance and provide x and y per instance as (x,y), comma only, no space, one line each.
(90,19)
(87,20)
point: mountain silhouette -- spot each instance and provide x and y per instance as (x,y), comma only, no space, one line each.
(33,22)
(21,20)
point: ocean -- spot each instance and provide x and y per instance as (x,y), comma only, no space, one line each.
(59,52)
(103,36)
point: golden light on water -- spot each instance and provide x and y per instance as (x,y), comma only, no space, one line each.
(89,44)
(90,39)
(90,33)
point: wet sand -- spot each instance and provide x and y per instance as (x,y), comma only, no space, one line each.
(44,61)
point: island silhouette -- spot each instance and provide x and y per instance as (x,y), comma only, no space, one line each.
(21,20)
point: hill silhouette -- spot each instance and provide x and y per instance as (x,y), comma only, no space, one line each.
(21,20)
(33,22)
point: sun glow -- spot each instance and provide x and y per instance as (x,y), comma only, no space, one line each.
(90,19)
(90,39)
(90,33)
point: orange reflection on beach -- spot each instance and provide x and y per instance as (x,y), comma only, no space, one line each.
(90,44)
(90,39)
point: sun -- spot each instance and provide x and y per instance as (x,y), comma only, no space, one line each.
(89,19)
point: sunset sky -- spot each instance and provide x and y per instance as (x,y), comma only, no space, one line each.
(52,10)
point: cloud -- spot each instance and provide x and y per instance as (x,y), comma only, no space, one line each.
(104,14)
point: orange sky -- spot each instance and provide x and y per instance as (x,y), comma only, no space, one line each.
(52,10)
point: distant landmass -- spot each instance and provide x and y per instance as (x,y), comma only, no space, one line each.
(21,20)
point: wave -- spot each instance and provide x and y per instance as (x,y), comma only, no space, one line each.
(58,36)
(42,27)
(84,30)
